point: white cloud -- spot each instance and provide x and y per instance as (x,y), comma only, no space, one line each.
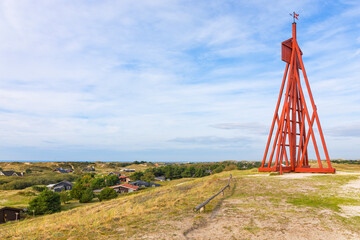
(121,76)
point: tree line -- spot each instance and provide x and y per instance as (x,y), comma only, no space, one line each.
(193,170)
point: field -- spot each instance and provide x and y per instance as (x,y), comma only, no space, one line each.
(257,206)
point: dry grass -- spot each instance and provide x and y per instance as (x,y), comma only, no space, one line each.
(124,216)
(258,206)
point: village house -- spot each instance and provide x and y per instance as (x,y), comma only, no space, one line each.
(144,184)
(115,173)
(127,170)
(124,179)
(89,169)
(9,214)
(161,179)
(11,173)
(58,187)
(61,170)
(124,188)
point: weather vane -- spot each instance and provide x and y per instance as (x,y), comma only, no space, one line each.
(294,15)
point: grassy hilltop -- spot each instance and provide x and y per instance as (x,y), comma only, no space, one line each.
(257,206)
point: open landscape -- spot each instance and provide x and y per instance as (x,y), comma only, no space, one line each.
(257,206)
(179,120)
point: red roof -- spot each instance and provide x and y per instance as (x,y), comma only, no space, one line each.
(129,186)
(123,177)
(125,185)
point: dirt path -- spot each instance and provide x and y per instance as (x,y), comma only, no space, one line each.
(258,218)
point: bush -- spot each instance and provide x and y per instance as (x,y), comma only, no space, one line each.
(77,191)
(230,167)
(112,180)
(38,188)
(87,196)
(97,183)
(65,197)
(47,202)
(136,176)
(219,169)
(148,177)
(107,193)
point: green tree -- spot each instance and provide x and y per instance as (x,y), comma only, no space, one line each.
(200,172)
(148,177)
(136,176)
(47,202)
(219,169)
(97,183)
(65,197)
(177,172)
(85,180)
(77,191)
(112,180)
(107,193)
(87,196)
(28,170)
(168,172)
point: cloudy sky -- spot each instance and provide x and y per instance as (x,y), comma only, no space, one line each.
(168,80)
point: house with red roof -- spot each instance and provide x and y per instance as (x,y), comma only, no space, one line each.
(124,179)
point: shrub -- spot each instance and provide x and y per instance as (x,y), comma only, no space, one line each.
(77,191)
(65,197)
(219,169)
(230,167)
(87,196)
(148,177)
(47,202)
(112,180)
(38,188)
(107,193)
(97,183)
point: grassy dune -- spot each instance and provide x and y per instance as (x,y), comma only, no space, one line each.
(47,167)
(123,216)
(257,206)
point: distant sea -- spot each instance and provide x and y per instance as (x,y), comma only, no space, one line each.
(34,161)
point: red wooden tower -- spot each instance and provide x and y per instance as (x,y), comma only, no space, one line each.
(294,128)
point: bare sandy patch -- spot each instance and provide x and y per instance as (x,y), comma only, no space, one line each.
(350,211)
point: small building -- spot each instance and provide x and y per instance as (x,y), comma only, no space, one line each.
(11,173)
(58,187)
(115,173)
(144,184)
(61,170)
(89,169)
(161,179)
(124,179)
(9,214)
(125,188)
(127,170)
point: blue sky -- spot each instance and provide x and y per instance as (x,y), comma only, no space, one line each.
(168,80)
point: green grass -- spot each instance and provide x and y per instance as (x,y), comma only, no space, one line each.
(317,201)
